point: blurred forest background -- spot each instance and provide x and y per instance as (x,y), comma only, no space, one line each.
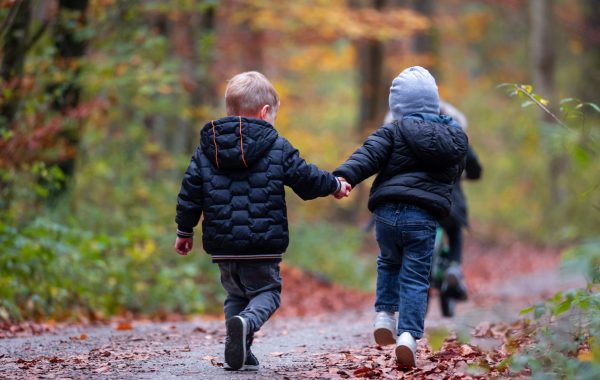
(101,102)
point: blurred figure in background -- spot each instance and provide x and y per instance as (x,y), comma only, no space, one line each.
(454,283)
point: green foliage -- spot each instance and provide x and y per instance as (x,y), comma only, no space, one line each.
(584,258)
(436,337)
(51,269)
(567,336)
(517,149)
(330,251)
(567,326)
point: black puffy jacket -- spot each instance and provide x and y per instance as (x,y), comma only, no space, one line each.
(418,161)
(236,178)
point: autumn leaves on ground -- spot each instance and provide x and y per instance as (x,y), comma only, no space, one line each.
(467,346)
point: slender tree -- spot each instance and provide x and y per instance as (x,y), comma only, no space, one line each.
(196,64)
(65,92)
(15,33)
(591,50)
(15,30)
(427,42)
(543,59)
(371,81)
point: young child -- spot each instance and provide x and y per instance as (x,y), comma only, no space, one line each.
(418,156)
(236,178)
(453,284)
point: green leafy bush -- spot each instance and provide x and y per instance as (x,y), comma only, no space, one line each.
(49,269)
(566,328)
(567,337)
(330,251)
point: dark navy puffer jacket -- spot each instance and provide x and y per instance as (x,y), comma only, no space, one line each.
(236,178)
(418,160)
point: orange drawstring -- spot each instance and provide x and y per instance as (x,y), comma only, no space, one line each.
(242,143)
(215,141)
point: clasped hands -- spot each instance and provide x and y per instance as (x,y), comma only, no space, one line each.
(344,190)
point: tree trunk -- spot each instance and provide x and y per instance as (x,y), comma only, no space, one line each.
(196,66)
(591,52)
(542,46)
(543,56)
(65,94)
(371,81)
(14,49)
(373,88)
(427,42)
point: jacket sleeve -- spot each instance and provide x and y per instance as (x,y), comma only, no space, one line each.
(307,180)
(473,167)
(369,158)
(189,200)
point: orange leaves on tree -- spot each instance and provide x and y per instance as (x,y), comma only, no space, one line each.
(312,20)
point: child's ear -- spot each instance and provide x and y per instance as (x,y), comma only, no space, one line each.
(264,112)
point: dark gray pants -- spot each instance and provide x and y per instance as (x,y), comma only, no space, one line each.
(253,291)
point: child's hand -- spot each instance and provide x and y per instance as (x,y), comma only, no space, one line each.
(345,189)
(184,245)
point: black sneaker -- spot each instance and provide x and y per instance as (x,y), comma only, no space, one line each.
(235,342)
(251,363)
(454,283)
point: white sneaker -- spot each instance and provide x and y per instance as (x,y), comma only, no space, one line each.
(406,351)
(385,328)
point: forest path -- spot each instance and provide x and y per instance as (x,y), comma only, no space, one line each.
(288,348)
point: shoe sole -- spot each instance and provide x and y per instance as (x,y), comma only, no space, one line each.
(384,337)
(405,357)
(245,367)
(235,351)
(454,284)
(248,367)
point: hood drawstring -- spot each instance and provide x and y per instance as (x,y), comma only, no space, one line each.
(242,143)
(215,142)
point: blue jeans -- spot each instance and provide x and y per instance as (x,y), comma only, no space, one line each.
(406,235)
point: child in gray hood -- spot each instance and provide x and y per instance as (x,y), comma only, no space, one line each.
(417,158)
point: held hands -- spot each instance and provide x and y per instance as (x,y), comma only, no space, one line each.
(184,245)
(345,189)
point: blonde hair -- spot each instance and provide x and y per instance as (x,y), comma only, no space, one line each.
(247,93)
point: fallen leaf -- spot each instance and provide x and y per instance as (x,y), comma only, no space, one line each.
(83,337)
(277,353)
(122,326)
(584,356)
(367,372)
(102,369)
(466,350)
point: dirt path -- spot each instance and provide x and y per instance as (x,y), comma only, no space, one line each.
(288,348)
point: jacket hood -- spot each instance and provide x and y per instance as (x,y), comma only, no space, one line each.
(235,142)
(435,139)
(414,90)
